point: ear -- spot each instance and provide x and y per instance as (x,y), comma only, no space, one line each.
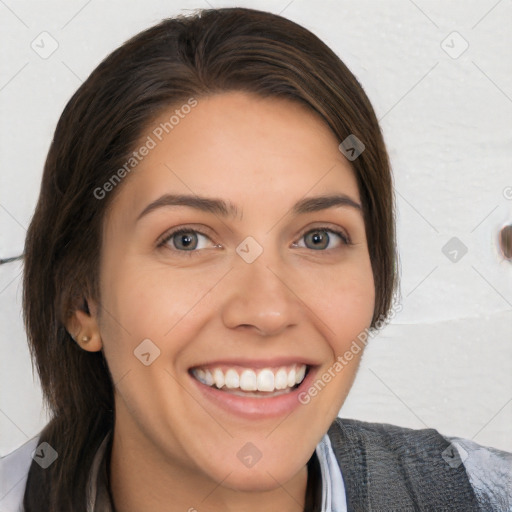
(83,328)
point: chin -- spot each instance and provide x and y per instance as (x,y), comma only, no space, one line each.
(247,481)
(258,478)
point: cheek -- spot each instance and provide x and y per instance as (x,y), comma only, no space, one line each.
(344,308)
(344,301)
(353,311)
(142,302)
(146,299)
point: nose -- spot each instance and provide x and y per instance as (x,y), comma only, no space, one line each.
(260,297)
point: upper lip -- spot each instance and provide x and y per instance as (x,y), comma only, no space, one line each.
(257,363)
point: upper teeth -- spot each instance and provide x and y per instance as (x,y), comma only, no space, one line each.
(267,379)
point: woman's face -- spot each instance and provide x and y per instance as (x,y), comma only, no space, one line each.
(257,286)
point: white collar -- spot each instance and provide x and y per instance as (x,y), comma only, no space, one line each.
(333,488)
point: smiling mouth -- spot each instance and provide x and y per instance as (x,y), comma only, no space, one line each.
(261,382)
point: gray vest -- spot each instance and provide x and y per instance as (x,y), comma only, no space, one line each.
(387,468)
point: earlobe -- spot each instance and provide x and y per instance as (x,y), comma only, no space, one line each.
(83,328)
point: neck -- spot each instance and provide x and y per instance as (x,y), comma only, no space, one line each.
(141,479)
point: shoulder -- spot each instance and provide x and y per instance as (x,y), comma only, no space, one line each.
(397,441)
(488,470)
(14,468)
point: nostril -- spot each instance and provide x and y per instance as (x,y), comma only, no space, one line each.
(506,241)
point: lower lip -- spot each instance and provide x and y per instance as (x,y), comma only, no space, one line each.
(256,408)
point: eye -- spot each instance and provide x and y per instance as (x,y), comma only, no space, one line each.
(319,238)
(188,240)
(183,240)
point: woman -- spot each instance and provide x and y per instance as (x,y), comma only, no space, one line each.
(214,233)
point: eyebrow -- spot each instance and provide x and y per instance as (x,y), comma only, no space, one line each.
(229,209)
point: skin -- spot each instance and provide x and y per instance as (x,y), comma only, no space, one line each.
(172,448)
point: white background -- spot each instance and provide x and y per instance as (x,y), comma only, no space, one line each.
(445,361)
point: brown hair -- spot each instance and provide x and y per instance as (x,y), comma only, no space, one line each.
(211,51)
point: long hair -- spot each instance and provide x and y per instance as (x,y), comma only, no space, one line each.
(208,52)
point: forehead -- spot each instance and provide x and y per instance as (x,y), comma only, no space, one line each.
(253,151)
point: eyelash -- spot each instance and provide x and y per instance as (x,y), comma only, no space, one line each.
(345,239)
